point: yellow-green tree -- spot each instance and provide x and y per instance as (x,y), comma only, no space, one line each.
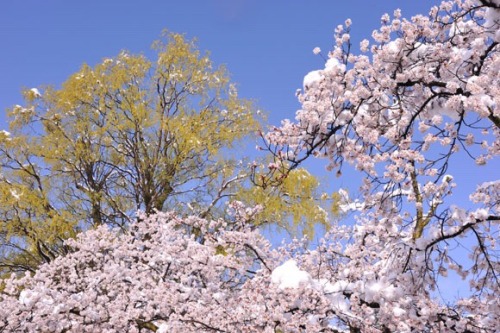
(291,199)
(124,135)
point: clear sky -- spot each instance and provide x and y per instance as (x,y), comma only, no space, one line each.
(266,45)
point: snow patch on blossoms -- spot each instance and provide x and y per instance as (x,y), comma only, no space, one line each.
(288,275)
(35,92)
(492,17)
(347,205)
(334,65)
(312,79)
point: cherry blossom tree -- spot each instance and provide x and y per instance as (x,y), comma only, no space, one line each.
(119,282)
(426,90)
(168,274)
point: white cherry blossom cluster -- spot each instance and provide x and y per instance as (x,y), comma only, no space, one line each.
(422,93)
(186,274)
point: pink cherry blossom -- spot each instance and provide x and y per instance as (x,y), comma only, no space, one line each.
(428,91)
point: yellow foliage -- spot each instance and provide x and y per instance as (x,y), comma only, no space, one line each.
(294,198)
(126,134)
(132,133)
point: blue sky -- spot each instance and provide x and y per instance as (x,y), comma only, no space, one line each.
(266,45)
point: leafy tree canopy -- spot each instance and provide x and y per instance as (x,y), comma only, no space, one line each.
(124,135)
